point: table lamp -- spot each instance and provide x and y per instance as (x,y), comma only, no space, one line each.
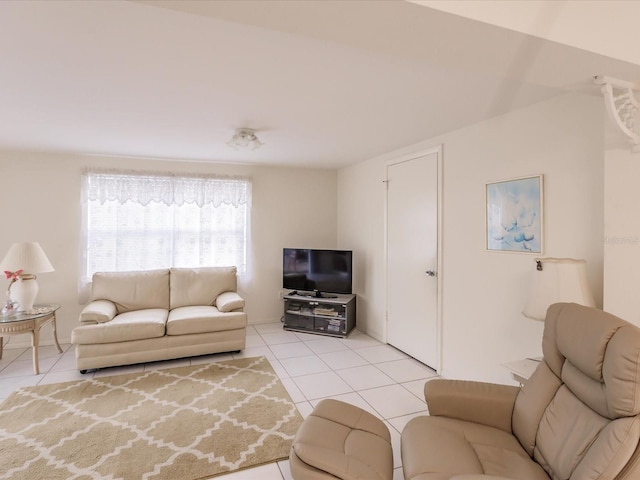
(558,280)
(29,258)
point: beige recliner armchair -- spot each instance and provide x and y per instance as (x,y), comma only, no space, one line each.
(577,418)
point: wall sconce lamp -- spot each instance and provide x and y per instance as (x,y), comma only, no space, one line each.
(558,280)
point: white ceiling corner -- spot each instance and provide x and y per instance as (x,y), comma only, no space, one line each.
(325,84)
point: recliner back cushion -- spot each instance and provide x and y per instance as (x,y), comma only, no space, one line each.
(200,286)
(132,290)
(589,427)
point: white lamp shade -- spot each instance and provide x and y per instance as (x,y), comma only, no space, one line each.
(28,257)
(560,280)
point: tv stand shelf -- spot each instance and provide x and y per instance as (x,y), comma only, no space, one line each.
(335,316)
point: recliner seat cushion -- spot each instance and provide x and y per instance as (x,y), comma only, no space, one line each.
(440,448)
(203,319)
(125,327)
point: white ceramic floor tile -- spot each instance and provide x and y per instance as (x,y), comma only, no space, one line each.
(380,353)
(292,389)
(44,351)
(64,376)
(255,352)
(290,350)
(326,345)
(343,359)
(406,370)
(320,385)
(25,367)
(417,387)
(251,331)
(10,384)
(281,372)
(304,365)
(393,401)
(398,474)
(272,327)
(9,355)
(66,362)
(285,470)
(277,338)
(364,377)
(360,340)
(254,341)
(263,472)
(395,446)
(305,408)
(398,423)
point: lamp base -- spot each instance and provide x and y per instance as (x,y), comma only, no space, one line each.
(24,292)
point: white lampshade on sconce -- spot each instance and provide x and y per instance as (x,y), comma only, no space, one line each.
(558,280)
(30,259)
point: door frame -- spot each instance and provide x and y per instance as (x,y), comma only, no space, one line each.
(439,267)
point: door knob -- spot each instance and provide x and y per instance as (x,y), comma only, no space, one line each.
(430,273)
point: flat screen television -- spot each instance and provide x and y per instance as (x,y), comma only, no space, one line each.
(318,271)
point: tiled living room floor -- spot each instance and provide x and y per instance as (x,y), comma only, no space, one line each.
(359,370)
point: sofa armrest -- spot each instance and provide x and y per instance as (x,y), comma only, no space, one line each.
(229,301)
(484,403)
(98,311)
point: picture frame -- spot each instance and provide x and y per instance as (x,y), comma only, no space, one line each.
(514,215)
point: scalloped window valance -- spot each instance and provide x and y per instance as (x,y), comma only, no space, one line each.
(141,221)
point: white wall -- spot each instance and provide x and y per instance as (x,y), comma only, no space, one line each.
(484,292)
(622,233)
(40,199)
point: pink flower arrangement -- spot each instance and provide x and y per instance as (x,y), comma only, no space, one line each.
(14,276)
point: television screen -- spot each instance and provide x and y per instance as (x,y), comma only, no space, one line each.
(317,270)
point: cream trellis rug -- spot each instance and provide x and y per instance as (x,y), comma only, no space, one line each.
(181,423)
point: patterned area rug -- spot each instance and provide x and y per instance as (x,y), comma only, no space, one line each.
(180,423)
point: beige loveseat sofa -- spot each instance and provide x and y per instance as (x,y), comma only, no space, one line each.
(152,315)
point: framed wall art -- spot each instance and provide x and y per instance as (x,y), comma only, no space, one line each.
(514,215)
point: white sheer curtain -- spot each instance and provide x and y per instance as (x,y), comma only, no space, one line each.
(139,221)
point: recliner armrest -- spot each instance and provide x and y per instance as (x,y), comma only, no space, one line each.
(98,311)
(229,301)
(479,402)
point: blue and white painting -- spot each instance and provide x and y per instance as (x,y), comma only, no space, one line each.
(514,215)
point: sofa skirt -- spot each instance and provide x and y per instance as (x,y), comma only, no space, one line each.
(168,347)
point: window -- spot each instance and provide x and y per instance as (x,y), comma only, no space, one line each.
(136,221)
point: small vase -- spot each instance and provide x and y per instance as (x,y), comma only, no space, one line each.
(9,306)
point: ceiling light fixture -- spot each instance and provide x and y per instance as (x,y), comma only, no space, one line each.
(245,137)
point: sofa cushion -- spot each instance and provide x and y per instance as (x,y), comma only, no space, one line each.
(132,290)
(429,443)
(138,325)
(98,311)
(229,301)
(200,286)
(201,319)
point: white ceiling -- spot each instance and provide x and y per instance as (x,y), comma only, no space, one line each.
(325,83)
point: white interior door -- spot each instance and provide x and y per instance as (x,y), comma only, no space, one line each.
(412,258)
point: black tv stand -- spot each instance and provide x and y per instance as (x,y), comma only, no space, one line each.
(327,316)
(314,294)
